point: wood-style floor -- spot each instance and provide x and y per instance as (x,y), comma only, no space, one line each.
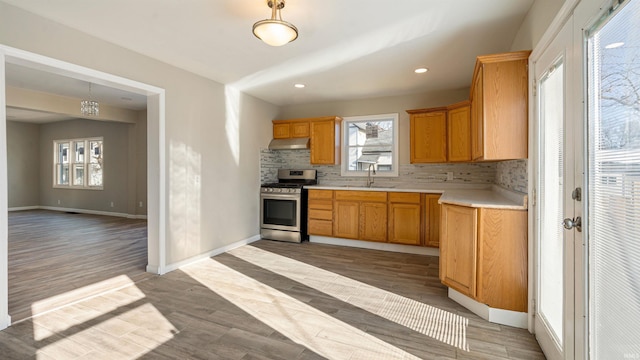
(274,300)
(56,258)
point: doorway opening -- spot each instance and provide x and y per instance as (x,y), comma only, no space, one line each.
(156,261)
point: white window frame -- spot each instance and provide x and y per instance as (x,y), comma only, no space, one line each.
(344,171)
(72,161)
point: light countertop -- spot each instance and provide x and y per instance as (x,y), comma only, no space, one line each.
(472,195)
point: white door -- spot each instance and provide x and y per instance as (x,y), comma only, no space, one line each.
(613,169)
(555,168)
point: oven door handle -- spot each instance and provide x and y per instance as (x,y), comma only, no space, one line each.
(280,196)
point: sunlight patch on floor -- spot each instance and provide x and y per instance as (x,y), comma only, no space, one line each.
(294,319)
(436,323)
(45,306)
(144,326)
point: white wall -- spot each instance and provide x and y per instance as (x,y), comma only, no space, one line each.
(212,137)
(535,24)
(23,166)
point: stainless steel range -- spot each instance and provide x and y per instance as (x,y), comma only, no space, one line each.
(283,206)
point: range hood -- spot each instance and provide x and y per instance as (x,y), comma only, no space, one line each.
(289,144)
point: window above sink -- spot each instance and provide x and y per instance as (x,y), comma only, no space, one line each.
(370,145)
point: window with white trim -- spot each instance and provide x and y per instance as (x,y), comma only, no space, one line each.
(370,142)
(77,163)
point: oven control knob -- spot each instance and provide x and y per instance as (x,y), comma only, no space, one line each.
(269,189)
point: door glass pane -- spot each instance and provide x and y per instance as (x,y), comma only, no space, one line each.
(551,251)
(614,186)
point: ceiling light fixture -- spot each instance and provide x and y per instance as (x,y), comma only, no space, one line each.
(299,86)
(420,70)
(89,107)
(275,31)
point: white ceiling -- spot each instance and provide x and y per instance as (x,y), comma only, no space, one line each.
(347,49)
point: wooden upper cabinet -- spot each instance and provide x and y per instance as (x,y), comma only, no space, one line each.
(499,100)
(459,132)
(326,138)
(281,130)
(477,106)
(286,129)
(428,135)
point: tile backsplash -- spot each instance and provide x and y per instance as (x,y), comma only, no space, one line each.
(509,174)
(513,175)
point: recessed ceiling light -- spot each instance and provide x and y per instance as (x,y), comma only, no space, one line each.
(421,70)
(299,86)
(614,45)
(125,98)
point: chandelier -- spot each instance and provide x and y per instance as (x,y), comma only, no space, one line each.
(275,31)
(89,107)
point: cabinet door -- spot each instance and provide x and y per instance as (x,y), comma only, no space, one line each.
(459,134)
(345,219)
(404,223)
(281,131)
(502,259)
(428,137)
(458,248)
(432,216)
(477,118)
(373,221)
(505,119)
(299,129)
(323,142)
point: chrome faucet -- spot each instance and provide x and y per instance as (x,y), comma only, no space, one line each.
(369,178)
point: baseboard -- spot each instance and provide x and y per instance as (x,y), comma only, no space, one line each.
(23,208)
(498,316)
(80,211)
(218,251)
(408,249)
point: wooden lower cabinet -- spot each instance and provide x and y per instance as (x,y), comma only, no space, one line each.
(360,215)
(394,217)
(483,254)
(458,248)
(373,221)
(502,259)
(431,220)
(405,218)
(345,219)
(320,213)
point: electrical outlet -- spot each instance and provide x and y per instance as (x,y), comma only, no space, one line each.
(140,204)
(449,175)
(112,204)
(58,202)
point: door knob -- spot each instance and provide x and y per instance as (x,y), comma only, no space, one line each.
(573,223)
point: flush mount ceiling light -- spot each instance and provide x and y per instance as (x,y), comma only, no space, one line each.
(275,31)
(89,107)
(420,70)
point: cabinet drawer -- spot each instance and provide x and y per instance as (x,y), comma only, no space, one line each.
(372,196)
(404,197)
(321,214)
(320,227)
(320,194)
(320,204)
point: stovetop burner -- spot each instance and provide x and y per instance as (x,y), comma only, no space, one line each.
(282,185)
